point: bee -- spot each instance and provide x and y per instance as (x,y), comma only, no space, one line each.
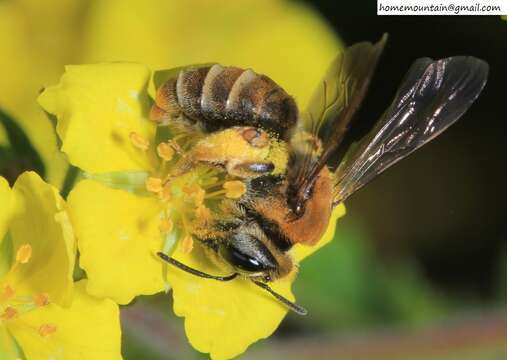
(293,205)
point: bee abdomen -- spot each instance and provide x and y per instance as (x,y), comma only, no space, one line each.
(218,97)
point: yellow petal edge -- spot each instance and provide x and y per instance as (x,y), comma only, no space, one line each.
(97,108)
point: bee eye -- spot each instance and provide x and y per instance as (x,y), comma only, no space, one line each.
(247,253)
(243,261)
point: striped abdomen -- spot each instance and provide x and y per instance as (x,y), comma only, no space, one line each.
(217,97)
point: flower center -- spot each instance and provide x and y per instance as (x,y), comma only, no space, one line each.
(12,304)
(191,192)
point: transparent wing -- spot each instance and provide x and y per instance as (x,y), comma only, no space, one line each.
(322,127)
(433,95)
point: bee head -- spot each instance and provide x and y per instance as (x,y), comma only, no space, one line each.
(251,257)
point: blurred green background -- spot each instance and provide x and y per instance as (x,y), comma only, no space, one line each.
(418,269)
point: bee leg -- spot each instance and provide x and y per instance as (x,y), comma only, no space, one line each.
(249,169)
(193,271)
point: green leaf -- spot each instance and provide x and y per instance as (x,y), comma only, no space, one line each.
(6,255)
(21,155)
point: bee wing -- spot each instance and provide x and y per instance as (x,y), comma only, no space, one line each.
(330,111)
(433,95)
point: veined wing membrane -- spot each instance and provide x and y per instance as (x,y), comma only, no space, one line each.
(329,113)
(433,95)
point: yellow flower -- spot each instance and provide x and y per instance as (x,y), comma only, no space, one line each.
(275,37)
(127,210)
(42,314)
(98,108)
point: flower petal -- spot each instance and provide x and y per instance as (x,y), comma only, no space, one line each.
(224,318)
(89,329)
(220,29)
(6,199)
(8,347)
(41,220)
(6,213)
(117,236)
(98,107)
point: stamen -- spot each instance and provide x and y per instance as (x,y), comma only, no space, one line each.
(234,189)
(187,244)
(165,151)
(196,192)
(41,299)
(47,329)
(165,226)
(153,184)
(139,141)
(166,193)
(8,313)
(199,197)
(203,213)
(24,254)
(7,293)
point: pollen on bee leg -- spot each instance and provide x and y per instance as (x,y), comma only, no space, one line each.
(187,244)
(165,151)
(24,253)
(256,137)
(47,329)
(9,313)
(153,184)
(139,141)
(41,299)
(234,189)
(165,226)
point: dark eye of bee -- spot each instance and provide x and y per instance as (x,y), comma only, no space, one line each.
(247,253)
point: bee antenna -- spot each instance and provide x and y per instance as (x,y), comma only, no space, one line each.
(292,306)
(193,271)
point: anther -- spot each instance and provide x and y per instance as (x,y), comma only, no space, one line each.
(153,184)
(165,151)
(41,299)
(9,313)
(196,192)
(7,293)
(187,244)
(47,329)
(234,189)
(139,141)
(166,192)
(165,226)
(24,254)
(203,213)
